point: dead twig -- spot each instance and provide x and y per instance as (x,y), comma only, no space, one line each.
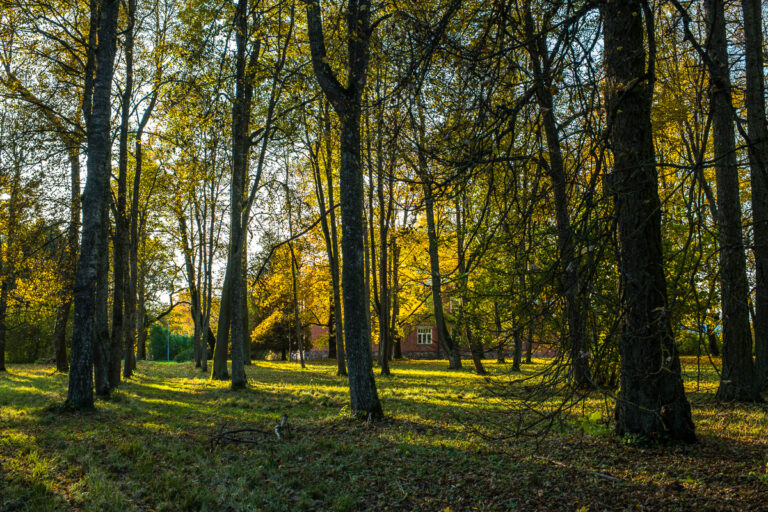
(240,435)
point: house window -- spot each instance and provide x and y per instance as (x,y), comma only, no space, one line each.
(424,336)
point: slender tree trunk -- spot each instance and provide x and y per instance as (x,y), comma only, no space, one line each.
(141,314)
(395,345)
(5,290)
(476,349)
(518,353)
(443,336)
(384,337)
(570,280)
(331,326)
(194,293)
(296,317)
(335,342)
(737,380)
(497,322)
(7,263)
(758,163)
(222,335)
(120,243)
(62,314)
(131,294)
(651,401)
(244,291)
(80,391)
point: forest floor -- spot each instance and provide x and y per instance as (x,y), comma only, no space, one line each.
(149,446)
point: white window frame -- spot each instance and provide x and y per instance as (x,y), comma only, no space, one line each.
(424,335)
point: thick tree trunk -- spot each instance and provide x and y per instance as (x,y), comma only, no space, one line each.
(80,390)
(758,163)
(737,379)
(651,401)
(570,281)
(241,111)
(364,400)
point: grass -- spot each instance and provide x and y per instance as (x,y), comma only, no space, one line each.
(148,447)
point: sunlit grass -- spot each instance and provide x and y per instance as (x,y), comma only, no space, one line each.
(147,448)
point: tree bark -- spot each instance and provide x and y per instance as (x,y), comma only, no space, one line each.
(737,379)
(758,164)
(80,390)
(364,400)
(651,401)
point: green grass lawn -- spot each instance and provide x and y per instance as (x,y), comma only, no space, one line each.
(148,447)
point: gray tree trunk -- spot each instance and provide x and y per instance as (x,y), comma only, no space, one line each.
(80,390)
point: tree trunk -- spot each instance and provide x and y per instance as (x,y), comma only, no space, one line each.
(194,293)
(570,281)
(364,400)
(518,353)
(222,335)
(80,390)
(62,315)
(443,336)
(328,225)
(758,163)
(384,208)
(141,315)
(500,347)
(121,241)
(737,380)
(395,344)
(241,111)
(102,348)
(476,349)
(651,401)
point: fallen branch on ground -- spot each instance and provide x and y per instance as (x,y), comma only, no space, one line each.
(225,437)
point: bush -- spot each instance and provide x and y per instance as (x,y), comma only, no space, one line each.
(188,354)
(159,340)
